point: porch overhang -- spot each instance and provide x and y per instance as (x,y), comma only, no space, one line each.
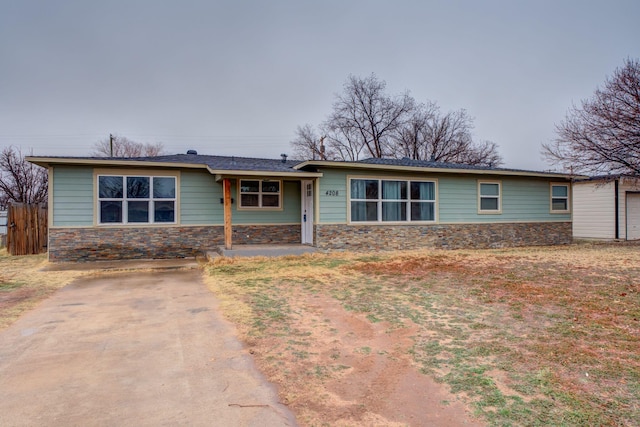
(232,174)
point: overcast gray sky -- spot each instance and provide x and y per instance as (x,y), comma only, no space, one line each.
(238,77)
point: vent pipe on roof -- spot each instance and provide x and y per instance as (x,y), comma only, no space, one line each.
(284,158)
(192,152)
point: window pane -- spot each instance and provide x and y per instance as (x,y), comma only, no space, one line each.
(364,211)
(358,189)
(559,191)
(110,187)
(489,204)
(270,201)
(164,188)
(249,186)
(423,211)
(489,189)
(110,212)
(137,211)
(423,191)
(137,187)
(559,204)
(270,186)
(371,189)
(394,190)
(164,211)
(394,211)
(249,200)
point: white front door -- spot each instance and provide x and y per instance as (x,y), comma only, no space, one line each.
(633,216)
(307,212)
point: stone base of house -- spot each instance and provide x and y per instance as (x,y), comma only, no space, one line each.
(446,236)
(92,244)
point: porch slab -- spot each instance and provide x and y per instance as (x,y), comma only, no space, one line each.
(261,250)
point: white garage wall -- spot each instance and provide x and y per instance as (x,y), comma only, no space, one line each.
(593,210)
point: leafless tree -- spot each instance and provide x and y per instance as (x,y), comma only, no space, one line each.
(21,181)
(603,134)
(308,145)
(120,146)
(431,135)
(364,117)
(367,122)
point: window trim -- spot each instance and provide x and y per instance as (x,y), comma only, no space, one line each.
(260,193)
(480,197)
(559,184)
(124,174)
(379,200)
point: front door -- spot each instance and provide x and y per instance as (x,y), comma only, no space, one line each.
(633,216)
(307,212)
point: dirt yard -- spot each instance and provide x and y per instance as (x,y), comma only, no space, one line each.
(535,336)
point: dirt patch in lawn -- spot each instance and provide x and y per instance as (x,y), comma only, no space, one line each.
(533,336)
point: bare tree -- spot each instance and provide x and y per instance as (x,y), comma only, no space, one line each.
(120,146)
(364,117)
(367,122)
(431,135)
(307,144)
(21,181)
(603,134)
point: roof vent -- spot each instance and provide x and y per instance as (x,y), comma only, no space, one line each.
(192,152)
(284,158)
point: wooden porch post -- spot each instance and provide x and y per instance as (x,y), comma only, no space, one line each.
(226,183)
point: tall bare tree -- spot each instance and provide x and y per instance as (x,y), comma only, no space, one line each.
(365,117)
(603,134)
(21,181)
(120,146)
(431,135)
(367,122)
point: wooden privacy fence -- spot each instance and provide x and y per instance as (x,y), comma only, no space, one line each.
(26,229)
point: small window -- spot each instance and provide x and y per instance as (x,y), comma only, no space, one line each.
(260,194)
(136,199)
(559,198)
(489,197)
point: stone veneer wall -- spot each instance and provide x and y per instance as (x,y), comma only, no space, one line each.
(446,236)
(109,243)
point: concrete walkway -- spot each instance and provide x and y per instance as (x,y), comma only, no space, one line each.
(143,349)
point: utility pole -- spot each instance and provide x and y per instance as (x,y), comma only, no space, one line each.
(110,145)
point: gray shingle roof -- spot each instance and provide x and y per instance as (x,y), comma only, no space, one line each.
(225,162)
(433,164)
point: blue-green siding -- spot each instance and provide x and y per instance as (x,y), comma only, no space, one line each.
(72,196)
(199,200)
(523,198)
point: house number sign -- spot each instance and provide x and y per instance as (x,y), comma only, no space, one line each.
(332,193)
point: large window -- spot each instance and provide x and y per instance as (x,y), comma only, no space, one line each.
(260,194)
(136,199)
(559,198)
(382,200)
(489,197)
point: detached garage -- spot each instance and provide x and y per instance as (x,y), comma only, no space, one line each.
(607,207)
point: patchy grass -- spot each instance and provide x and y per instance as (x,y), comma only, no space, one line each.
(23,285)
(533,336)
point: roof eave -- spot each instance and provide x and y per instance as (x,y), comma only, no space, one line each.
(355,165)
(48,161)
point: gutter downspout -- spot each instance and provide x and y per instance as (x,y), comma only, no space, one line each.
(616,205)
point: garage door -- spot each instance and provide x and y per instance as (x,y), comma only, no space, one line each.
(633,216)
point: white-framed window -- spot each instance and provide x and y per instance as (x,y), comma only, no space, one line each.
(260,194)
(489,197)
(136,199)
(392,200)
(559,198)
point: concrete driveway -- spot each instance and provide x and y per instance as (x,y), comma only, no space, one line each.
(143,349)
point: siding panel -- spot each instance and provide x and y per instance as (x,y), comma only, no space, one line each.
(73,196)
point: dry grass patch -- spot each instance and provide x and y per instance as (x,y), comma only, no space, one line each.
(534,336)
(23,285)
